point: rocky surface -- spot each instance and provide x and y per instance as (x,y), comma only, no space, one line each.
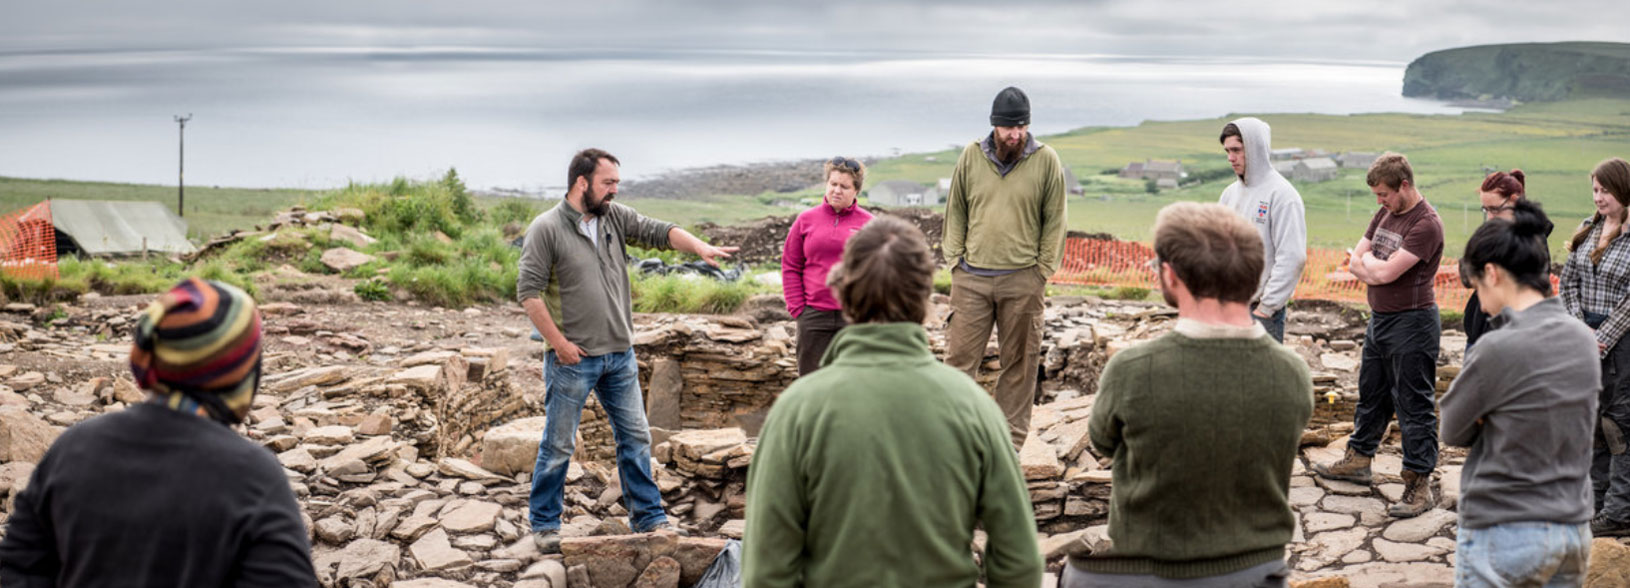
(409,435)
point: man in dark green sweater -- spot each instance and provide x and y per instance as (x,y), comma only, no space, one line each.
(1202,423)
(874,470)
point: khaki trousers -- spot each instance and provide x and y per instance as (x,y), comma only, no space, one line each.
(1013,304)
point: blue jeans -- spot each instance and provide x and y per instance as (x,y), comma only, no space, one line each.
(1275,325)
(1522,554)
(614,378)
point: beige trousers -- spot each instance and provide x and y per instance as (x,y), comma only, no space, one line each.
(1013,304)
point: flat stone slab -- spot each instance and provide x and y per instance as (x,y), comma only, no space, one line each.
(1405,552)
(1326,548)
(1342,487)
(470,516)
(1305,496)
(434,552)
(1421,528)
(1327,521)
(1353,505)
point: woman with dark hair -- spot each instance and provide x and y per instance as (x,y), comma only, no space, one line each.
(1499,195)
(815,244)
(1596,289)
(1524,403)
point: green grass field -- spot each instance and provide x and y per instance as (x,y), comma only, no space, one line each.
(1555,143)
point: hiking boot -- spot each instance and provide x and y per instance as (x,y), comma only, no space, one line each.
(1417,496)
(1601,526)
(547,541)
(1352,467)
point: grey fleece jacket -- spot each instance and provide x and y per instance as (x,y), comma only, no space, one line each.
(1525,402)
(583,281)
(1275,208)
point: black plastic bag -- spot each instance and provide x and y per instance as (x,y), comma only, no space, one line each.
(726,569)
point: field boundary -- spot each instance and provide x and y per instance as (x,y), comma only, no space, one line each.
(1097,262)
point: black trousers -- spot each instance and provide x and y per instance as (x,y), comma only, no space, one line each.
(815,331)
(1398,375)
(1610,462)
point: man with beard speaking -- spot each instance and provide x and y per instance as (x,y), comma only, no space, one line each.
(573,283)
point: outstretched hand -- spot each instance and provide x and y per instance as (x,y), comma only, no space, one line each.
(710,254)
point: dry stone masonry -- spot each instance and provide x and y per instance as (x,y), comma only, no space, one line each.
(409,435)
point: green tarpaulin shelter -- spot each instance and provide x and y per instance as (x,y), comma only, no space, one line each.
(118,228)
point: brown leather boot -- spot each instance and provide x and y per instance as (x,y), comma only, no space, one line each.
(1417,496)
(1352,467)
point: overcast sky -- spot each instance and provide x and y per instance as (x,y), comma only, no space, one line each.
(1376,30)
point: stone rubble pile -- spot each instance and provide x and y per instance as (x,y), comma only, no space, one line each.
(412,458)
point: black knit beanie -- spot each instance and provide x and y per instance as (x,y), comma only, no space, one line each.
(1011,108)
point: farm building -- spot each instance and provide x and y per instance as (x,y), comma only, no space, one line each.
(1316,169)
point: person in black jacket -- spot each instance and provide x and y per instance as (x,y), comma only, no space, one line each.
(1499,195)
(164,493)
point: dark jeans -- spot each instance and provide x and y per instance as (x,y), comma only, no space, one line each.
(1275,325)
(1398,374)
(815,331)
(1610,463)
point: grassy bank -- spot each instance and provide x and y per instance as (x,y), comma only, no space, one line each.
(436,244)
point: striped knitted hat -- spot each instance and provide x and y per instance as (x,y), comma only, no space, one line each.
(198,349)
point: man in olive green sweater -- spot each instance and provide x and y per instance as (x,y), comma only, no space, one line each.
(874,470)
(1004,235)
(1202,423)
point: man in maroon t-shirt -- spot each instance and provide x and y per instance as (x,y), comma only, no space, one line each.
(1398,258)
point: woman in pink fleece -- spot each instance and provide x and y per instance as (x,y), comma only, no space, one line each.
(814,245)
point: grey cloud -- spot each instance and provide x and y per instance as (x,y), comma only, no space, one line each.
(1388,30)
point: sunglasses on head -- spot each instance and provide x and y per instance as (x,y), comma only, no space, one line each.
(845,163)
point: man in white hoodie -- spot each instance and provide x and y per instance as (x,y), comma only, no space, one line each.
(1269,202)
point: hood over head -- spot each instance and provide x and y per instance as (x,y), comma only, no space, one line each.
(1257,138)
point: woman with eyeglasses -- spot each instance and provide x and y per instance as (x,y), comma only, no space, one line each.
(1499,195)
(1596,289)
(815,244)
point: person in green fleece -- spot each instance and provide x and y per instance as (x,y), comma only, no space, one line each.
(874,470)
(1202,423)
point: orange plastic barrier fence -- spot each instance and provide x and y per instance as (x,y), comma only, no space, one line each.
(28,243)
(1095,262)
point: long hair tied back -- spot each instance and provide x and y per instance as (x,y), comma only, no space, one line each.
(1516,245)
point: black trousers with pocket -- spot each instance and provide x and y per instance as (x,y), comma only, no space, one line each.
(815,331)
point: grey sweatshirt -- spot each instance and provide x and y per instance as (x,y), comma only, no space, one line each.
(1525,402)
(584,283)
(1275,208)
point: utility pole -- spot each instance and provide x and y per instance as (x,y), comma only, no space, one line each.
(181,168)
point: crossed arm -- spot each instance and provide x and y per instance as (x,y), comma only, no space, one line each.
(1375,271)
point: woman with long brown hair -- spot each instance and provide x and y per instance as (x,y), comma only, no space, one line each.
(1596,289)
